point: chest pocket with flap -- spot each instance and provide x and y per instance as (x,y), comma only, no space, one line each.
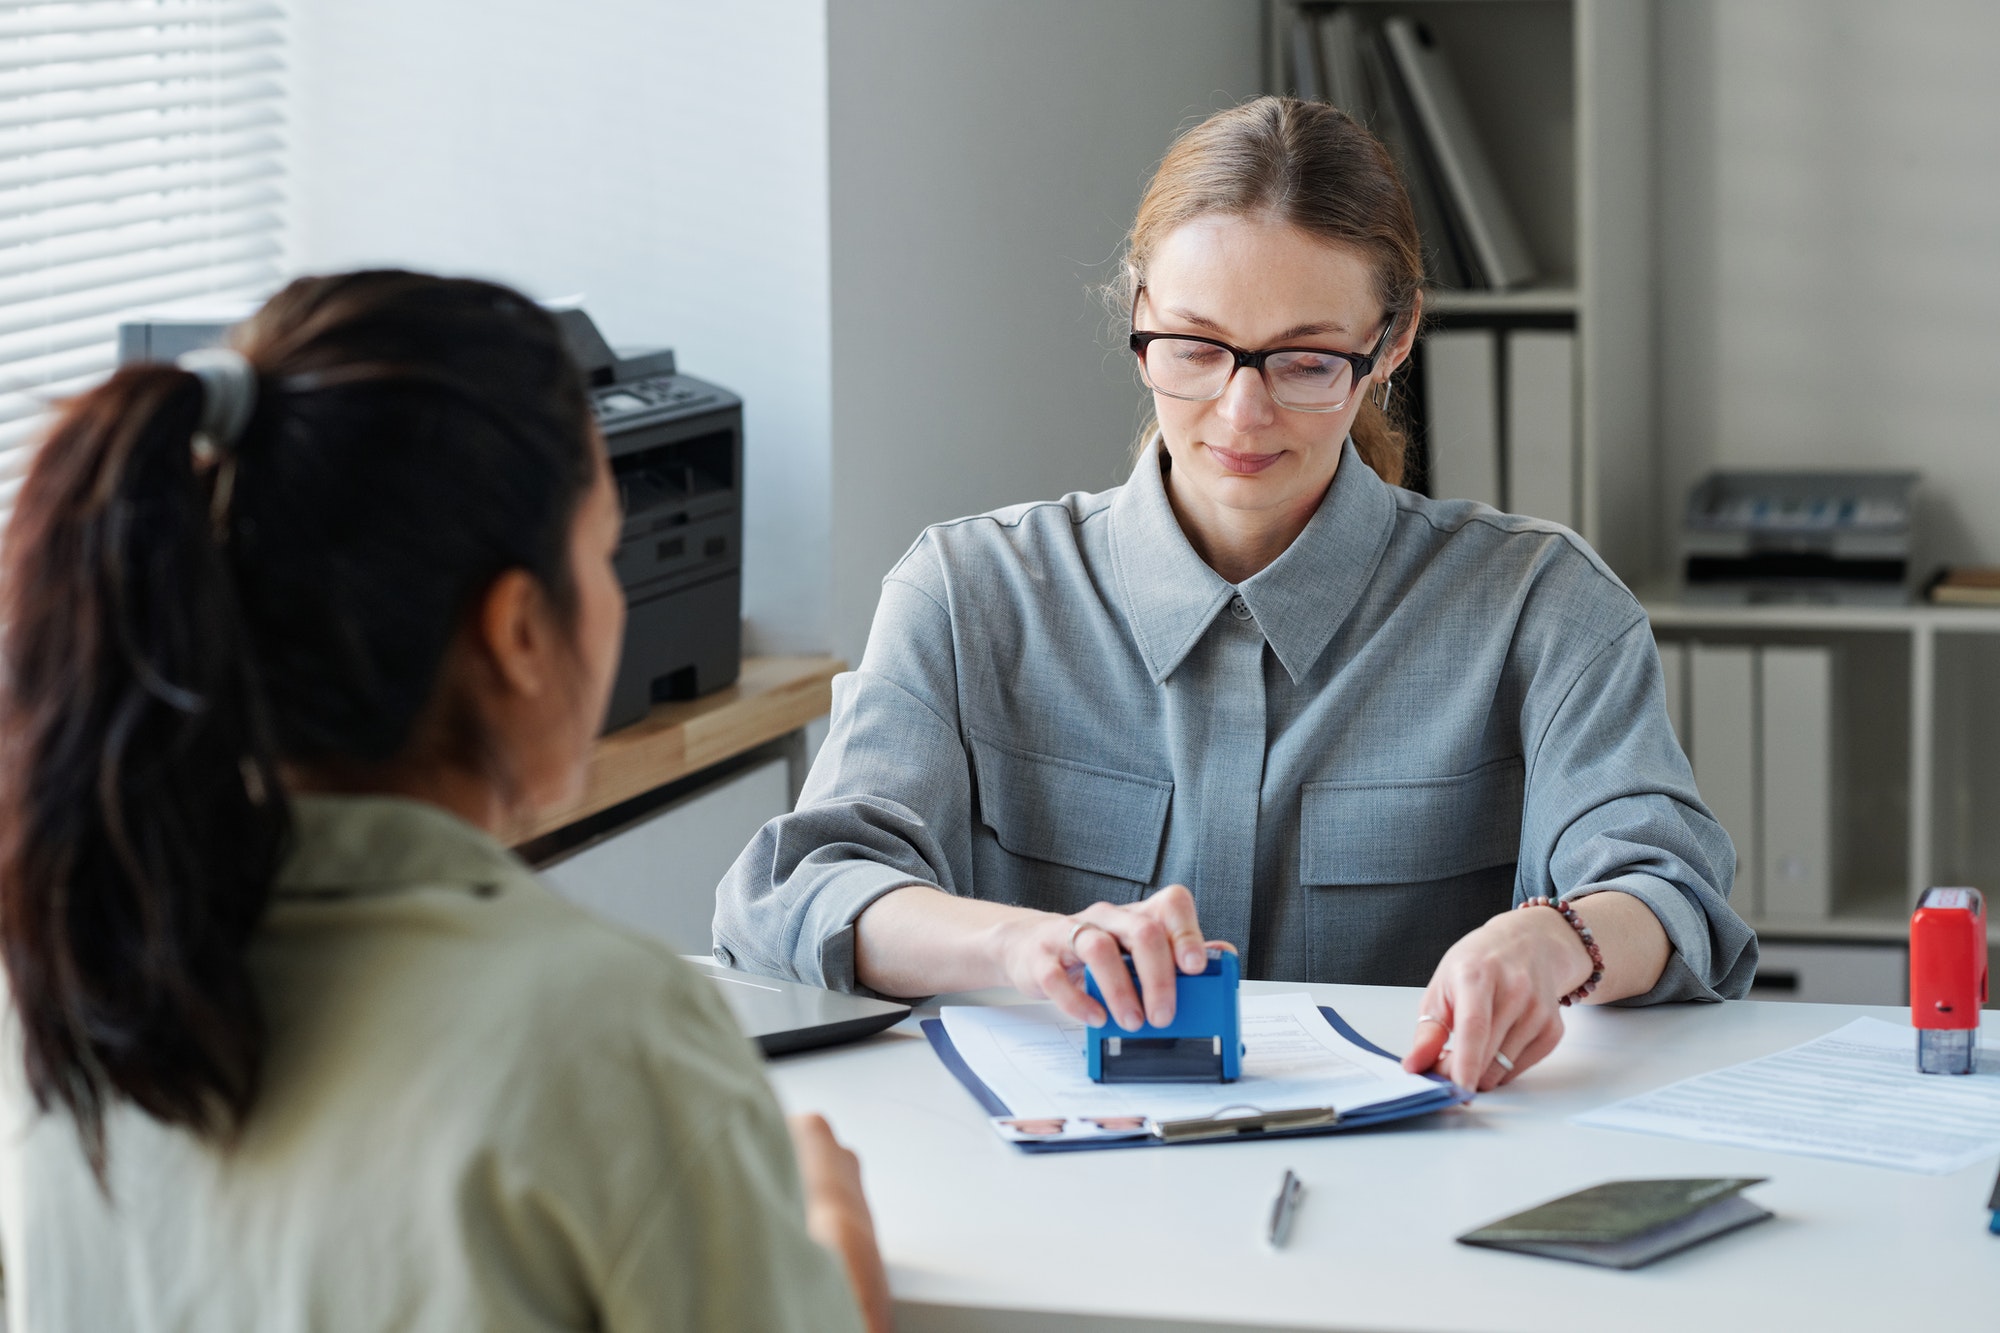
(1410,831)
(1071,814)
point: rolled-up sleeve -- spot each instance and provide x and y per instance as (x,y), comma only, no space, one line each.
(1611,805)
(888,802)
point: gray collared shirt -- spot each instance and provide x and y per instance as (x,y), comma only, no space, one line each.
(1423,712)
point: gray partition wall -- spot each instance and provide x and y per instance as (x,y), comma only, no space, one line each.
(985,162)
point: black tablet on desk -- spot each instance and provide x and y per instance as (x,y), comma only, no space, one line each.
(785,1016)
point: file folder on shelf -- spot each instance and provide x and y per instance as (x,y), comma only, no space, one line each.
(1441,1095)
(1473,186)
(1462,411)
(1722,715)
(1796,831)
(1673,679)
(1541,424)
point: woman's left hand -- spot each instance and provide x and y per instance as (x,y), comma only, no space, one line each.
(1497,993)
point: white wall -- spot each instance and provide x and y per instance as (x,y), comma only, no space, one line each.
(1830,248)
(659,877)
(986,160)
(667,158)
(878,220)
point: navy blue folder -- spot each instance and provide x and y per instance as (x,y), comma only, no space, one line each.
(1402,1108)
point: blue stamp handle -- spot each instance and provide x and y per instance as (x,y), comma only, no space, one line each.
(1205,1011)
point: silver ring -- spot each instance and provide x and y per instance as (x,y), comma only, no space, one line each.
(1501,1058)
(1077,930)
(1433,1018)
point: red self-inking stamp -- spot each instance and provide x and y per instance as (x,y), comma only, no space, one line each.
(1947,978)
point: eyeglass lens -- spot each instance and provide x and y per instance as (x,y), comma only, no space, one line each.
(1184,368)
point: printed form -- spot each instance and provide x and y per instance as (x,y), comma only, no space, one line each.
(1854,1095)
(1031,1056)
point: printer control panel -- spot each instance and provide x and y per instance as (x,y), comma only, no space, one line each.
(622,404)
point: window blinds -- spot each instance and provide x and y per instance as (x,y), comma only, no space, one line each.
(141,164)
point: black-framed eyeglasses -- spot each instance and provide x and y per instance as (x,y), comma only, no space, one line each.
(1197,369)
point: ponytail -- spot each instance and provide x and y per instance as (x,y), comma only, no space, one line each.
(141,817)
(1380,441)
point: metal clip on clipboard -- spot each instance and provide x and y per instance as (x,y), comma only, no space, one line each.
(1224,1124)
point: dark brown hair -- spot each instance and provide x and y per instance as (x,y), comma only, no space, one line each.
(167,648)
(1311,165)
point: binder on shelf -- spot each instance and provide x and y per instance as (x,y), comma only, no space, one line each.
(1722,717)
(1447,258)
(1541,424)
(1306,81)
(1673,676)
(1796,728)
(1472,187)
(1344,80)
(1462,414)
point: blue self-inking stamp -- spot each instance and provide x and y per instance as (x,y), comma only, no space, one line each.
(1204,1043)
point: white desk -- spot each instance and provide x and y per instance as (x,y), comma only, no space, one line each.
(981,1238)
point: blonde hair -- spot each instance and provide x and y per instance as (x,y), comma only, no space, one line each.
(1313,166)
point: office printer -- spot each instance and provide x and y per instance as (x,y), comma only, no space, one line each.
(676,447)
(1799,536)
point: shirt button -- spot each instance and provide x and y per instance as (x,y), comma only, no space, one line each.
(1239,608)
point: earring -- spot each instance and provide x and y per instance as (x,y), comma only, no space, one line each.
(1382,394)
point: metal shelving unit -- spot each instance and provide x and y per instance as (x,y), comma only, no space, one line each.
(1924,709)
(1565,90)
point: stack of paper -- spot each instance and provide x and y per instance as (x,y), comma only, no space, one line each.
(1854,1094)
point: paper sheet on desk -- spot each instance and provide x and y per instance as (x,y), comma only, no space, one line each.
(1032,1059)
(1854,1095)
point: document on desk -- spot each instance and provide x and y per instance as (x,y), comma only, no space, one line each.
(1854,1095)
(1031,1057)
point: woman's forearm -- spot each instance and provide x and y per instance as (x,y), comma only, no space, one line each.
(920,940)
(1634,945)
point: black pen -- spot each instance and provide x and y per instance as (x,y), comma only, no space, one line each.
(1282,1209)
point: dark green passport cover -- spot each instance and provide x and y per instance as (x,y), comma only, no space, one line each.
(1625,1223)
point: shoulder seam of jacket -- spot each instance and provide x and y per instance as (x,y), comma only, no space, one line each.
(1569,538)
(1076,520)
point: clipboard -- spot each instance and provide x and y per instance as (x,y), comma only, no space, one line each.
(1277,1124)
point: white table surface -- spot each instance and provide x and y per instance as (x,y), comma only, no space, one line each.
(980,1237)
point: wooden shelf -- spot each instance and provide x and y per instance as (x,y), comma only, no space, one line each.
(1446,301)
(772,696)
(1856,929)
(1668,612)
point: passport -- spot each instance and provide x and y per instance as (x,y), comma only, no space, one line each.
(1626,1223)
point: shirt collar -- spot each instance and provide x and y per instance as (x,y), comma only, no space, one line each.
(354,845)
(1299,600)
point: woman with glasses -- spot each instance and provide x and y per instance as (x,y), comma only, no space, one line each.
(1351,729)
(294,635)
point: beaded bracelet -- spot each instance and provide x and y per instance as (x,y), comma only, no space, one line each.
(1589,944)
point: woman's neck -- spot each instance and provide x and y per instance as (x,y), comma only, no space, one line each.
(473,798)
(1239,543)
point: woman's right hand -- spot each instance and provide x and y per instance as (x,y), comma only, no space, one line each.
(1045,955)
(837,1215)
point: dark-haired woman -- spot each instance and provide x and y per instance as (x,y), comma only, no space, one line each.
(1360,726)
(293,635)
